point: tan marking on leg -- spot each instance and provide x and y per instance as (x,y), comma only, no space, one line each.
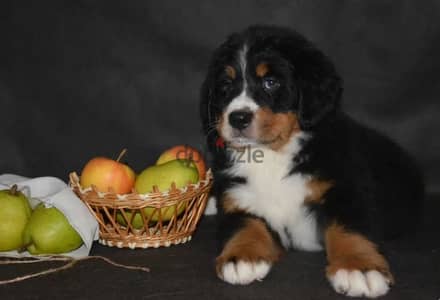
(229,206)
(317,190)
(252,243)
(352,251)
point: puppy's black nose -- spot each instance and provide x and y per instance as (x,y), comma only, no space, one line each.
(240,119)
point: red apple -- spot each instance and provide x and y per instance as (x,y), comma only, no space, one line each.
(184,152)
(106,173)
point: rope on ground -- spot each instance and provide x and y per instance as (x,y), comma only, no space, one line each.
(70,263)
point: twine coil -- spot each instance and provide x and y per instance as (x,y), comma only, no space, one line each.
(70,263)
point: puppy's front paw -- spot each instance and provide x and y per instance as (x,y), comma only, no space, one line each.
(355,283)
(248,255)
(242,272)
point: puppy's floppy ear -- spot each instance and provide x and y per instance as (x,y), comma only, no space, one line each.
(207,110)
(206,96)
(319,86)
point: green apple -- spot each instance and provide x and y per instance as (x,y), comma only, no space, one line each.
(49,232)
(15,212)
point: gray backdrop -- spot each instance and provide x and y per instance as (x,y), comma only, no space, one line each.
(86,78)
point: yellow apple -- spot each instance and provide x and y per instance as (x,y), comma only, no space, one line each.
(106,173)
(184,152)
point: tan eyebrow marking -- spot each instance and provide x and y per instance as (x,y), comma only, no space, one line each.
(230,71)
(261,69)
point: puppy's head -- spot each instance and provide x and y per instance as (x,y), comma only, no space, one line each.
(265,85)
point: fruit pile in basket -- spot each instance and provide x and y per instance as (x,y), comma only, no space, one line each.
(180,164)
(158,207)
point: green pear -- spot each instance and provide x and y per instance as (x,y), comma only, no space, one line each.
(180,171)
(137,219)
(137,222)
(49,232)
(15,212)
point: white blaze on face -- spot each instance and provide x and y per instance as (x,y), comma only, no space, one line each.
(241,102)
(243,64)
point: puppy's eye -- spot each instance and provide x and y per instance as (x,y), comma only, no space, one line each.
(270,84)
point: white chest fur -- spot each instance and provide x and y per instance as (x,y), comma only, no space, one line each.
(270,193)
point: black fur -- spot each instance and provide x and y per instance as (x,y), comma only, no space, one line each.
(377,189)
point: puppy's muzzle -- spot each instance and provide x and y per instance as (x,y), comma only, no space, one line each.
(240,119)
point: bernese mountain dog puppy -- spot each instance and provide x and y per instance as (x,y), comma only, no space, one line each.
(292,170)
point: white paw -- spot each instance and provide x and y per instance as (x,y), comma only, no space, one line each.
(244,272)
(355,283)
(211,206)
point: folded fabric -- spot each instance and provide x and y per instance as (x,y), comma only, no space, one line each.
(54,192)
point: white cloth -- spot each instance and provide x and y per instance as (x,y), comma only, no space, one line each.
(211,207)
(54,192)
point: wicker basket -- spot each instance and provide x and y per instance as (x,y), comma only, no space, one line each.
(146,220)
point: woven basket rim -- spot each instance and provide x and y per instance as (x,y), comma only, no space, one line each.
(75,183)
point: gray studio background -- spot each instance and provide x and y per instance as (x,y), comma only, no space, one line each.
(86,78)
